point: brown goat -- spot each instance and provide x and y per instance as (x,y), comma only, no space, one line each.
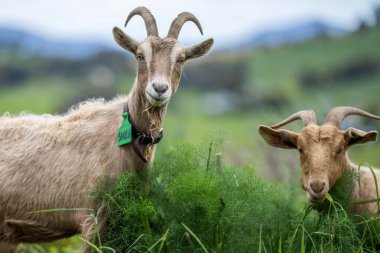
(49,162)
(323,152)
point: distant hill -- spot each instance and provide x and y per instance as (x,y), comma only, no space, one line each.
(290,34)
(28,43)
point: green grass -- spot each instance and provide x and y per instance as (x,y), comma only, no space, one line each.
(188,203)
(70,245)
(224,207)
(39,96)
(274,71)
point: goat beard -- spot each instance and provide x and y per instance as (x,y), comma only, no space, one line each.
(155,116)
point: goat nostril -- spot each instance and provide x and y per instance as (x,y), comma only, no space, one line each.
(160,87)
(317,187)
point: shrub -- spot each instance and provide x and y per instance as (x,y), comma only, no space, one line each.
(188,202)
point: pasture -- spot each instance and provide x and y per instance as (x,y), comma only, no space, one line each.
(252,201)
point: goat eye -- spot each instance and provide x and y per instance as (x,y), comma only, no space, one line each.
(301,151)
(140,57)
(181,60)
(339,152)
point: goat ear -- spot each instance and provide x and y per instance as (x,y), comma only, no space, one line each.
(279,138)
(356,136)
(124,40)
(199,49)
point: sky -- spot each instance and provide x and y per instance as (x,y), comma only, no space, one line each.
(225,21)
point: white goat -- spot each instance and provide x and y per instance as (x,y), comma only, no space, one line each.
(49,162)
(323,153)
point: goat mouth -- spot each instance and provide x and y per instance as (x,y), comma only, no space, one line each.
(316,199)
(156,101)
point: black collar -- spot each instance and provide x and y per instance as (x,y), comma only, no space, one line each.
(139,137)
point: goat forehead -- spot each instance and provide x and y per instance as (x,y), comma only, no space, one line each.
(330,133)
(162,46)
(165,54)
(321,134)
(157,48)
(310,134)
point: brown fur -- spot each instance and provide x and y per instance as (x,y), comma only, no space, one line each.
(49,162)
(324,158)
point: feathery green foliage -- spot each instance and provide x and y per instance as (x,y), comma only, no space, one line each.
(225,208)
(188,203)
(330,227)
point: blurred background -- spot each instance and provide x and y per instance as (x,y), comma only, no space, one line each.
(270,59)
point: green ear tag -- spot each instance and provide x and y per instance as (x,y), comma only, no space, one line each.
(125,131)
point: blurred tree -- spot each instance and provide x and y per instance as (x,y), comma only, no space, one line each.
(377,15)
(363,26)
(216,75)
(10,75)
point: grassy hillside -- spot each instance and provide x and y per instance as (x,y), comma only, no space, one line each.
(279,70)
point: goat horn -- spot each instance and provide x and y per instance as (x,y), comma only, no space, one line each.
(338,114)
(307,117)
(150,21)
(178,22)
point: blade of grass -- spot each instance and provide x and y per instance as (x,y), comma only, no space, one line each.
(306,212)
(145,222)
(209,156)
(303,246)
(195,237)
(91,244)
(164,237)
(97,234)
(367,201)
(260,239)
(310,237)
(265,249)
(107,248)
(154,245)
(135,242)
(329,198)
(377,188)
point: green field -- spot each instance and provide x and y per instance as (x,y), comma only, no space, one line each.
(273,86)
